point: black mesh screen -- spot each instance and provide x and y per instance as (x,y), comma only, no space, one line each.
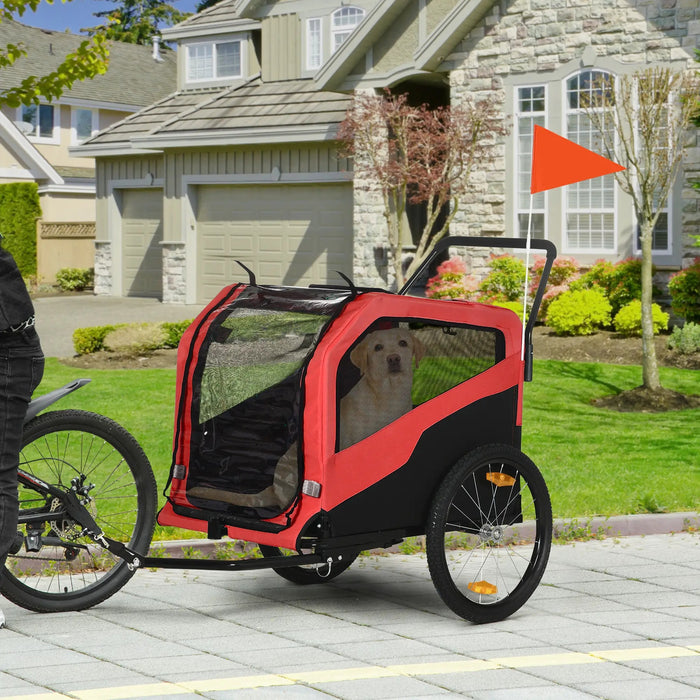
(398,364)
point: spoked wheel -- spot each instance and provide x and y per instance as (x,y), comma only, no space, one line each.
(489,533)
(304,575)
(57,568)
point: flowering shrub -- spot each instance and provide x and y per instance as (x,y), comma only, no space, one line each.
(564,271)
(580,312)
(628,320)
(684,287)
(452,281)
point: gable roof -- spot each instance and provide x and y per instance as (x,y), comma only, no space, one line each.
(225,16)
(133,77)
(427,57)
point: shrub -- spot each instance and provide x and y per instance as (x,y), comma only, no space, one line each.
(506,280)
(515,306)
(87,340)
(135,338)
(621,282)
(628,320)
(451,281)
(685,340)
(19,210)
(579,312)
(173,332)
(684,287)
(75,279)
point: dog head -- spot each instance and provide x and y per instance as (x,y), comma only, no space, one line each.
(387,353)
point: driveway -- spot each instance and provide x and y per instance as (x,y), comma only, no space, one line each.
(58,316)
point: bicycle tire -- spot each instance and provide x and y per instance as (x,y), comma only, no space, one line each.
(306,575)
(483,561)
(57,447)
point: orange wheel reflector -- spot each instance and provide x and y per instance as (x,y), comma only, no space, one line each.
(483,588)
(500,479)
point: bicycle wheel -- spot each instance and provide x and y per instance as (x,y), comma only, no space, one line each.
(305,575)
(489,533)
(57,568)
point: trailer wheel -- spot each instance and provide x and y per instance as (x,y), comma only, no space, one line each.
(305,575)
(489,533)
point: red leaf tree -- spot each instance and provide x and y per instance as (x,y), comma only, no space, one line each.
(418,155)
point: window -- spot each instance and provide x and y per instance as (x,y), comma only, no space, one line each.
(530,110)
(83,124)
(42,120)
(343,22)
(313,44)
(590,205)
(214,61)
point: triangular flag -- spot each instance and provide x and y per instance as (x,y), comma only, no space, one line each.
(556,162)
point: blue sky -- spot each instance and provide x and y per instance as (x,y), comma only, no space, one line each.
(77,14)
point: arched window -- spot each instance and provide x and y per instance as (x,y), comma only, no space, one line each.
(590,205)
(343,22)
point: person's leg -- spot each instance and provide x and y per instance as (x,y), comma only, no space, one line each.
(21,368)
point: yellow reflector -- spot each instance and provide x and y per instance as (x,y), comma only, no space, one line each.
(500,479)
(482,588)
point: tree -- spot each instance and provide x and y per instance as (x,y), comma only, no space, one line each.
(89,59)
(417,155)
(205,4)
(136,21)
(642,120)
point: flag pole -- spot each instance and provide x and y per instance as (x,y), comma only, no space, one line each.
(527,268)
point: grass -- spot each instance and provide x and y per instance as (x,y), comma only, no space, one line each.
(595,461)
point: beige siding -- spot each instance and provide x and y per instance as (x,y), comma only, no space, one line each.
(397,45)
(284,34)
(436,11)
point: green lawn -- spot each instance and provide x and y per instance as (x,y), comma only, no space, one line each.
(595,461)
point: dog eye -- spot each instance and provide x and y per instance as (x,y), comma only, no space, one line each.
(378,347)
(403,344)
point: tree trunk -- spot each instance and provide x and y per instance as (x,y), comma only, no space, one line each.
(650,368)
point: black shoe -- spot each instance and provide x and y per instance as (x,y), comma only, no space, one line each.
(16,544)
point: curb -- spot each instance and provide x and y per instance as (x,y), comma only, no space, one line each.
(568,528)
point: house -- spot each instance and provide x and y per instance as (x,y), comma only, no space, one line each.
(35,140)
(241,163)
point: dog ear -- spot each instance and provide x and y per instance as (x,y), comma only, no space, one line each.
(418,349)
(358,356)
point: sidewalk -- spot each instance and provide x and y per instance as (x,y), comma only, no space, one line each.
(616,619)
(58,316)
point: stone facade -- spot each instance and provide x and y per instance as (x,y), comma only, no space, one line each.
(534,38)
(174,269)
(103,268)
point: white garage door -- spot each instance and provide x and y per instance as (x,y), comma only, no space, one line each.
(142,232)
(286,234)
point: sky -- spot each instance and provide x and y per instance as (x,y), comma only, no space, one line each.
(77,14)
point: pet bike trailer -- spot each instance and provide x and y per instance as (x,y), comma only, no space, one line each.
(320,422)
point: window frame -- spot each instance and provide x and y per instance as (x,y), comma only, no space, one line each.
(517,172)
(345,31)
(36,137)
(311,65)
(566,209)
(94,128)
(213,45)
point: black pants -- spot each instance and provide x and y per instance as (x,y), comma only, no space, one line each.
(21,369)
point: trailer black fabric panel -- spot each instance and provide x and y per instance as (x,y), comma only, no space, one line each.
(247,399)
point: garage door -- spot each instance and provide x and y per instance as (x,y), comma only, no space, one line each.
(142,232)
(286,234)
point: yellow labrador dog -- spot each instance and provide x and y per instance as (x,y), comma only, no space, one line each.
(383,394)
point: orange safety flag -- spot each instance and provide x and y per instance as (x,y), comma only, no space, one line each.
(556,162)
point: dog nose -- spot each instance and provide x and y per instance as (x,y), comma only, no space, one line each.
(394,362)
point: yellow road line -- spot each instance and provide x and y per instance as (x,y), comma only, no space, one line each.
(369,672)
